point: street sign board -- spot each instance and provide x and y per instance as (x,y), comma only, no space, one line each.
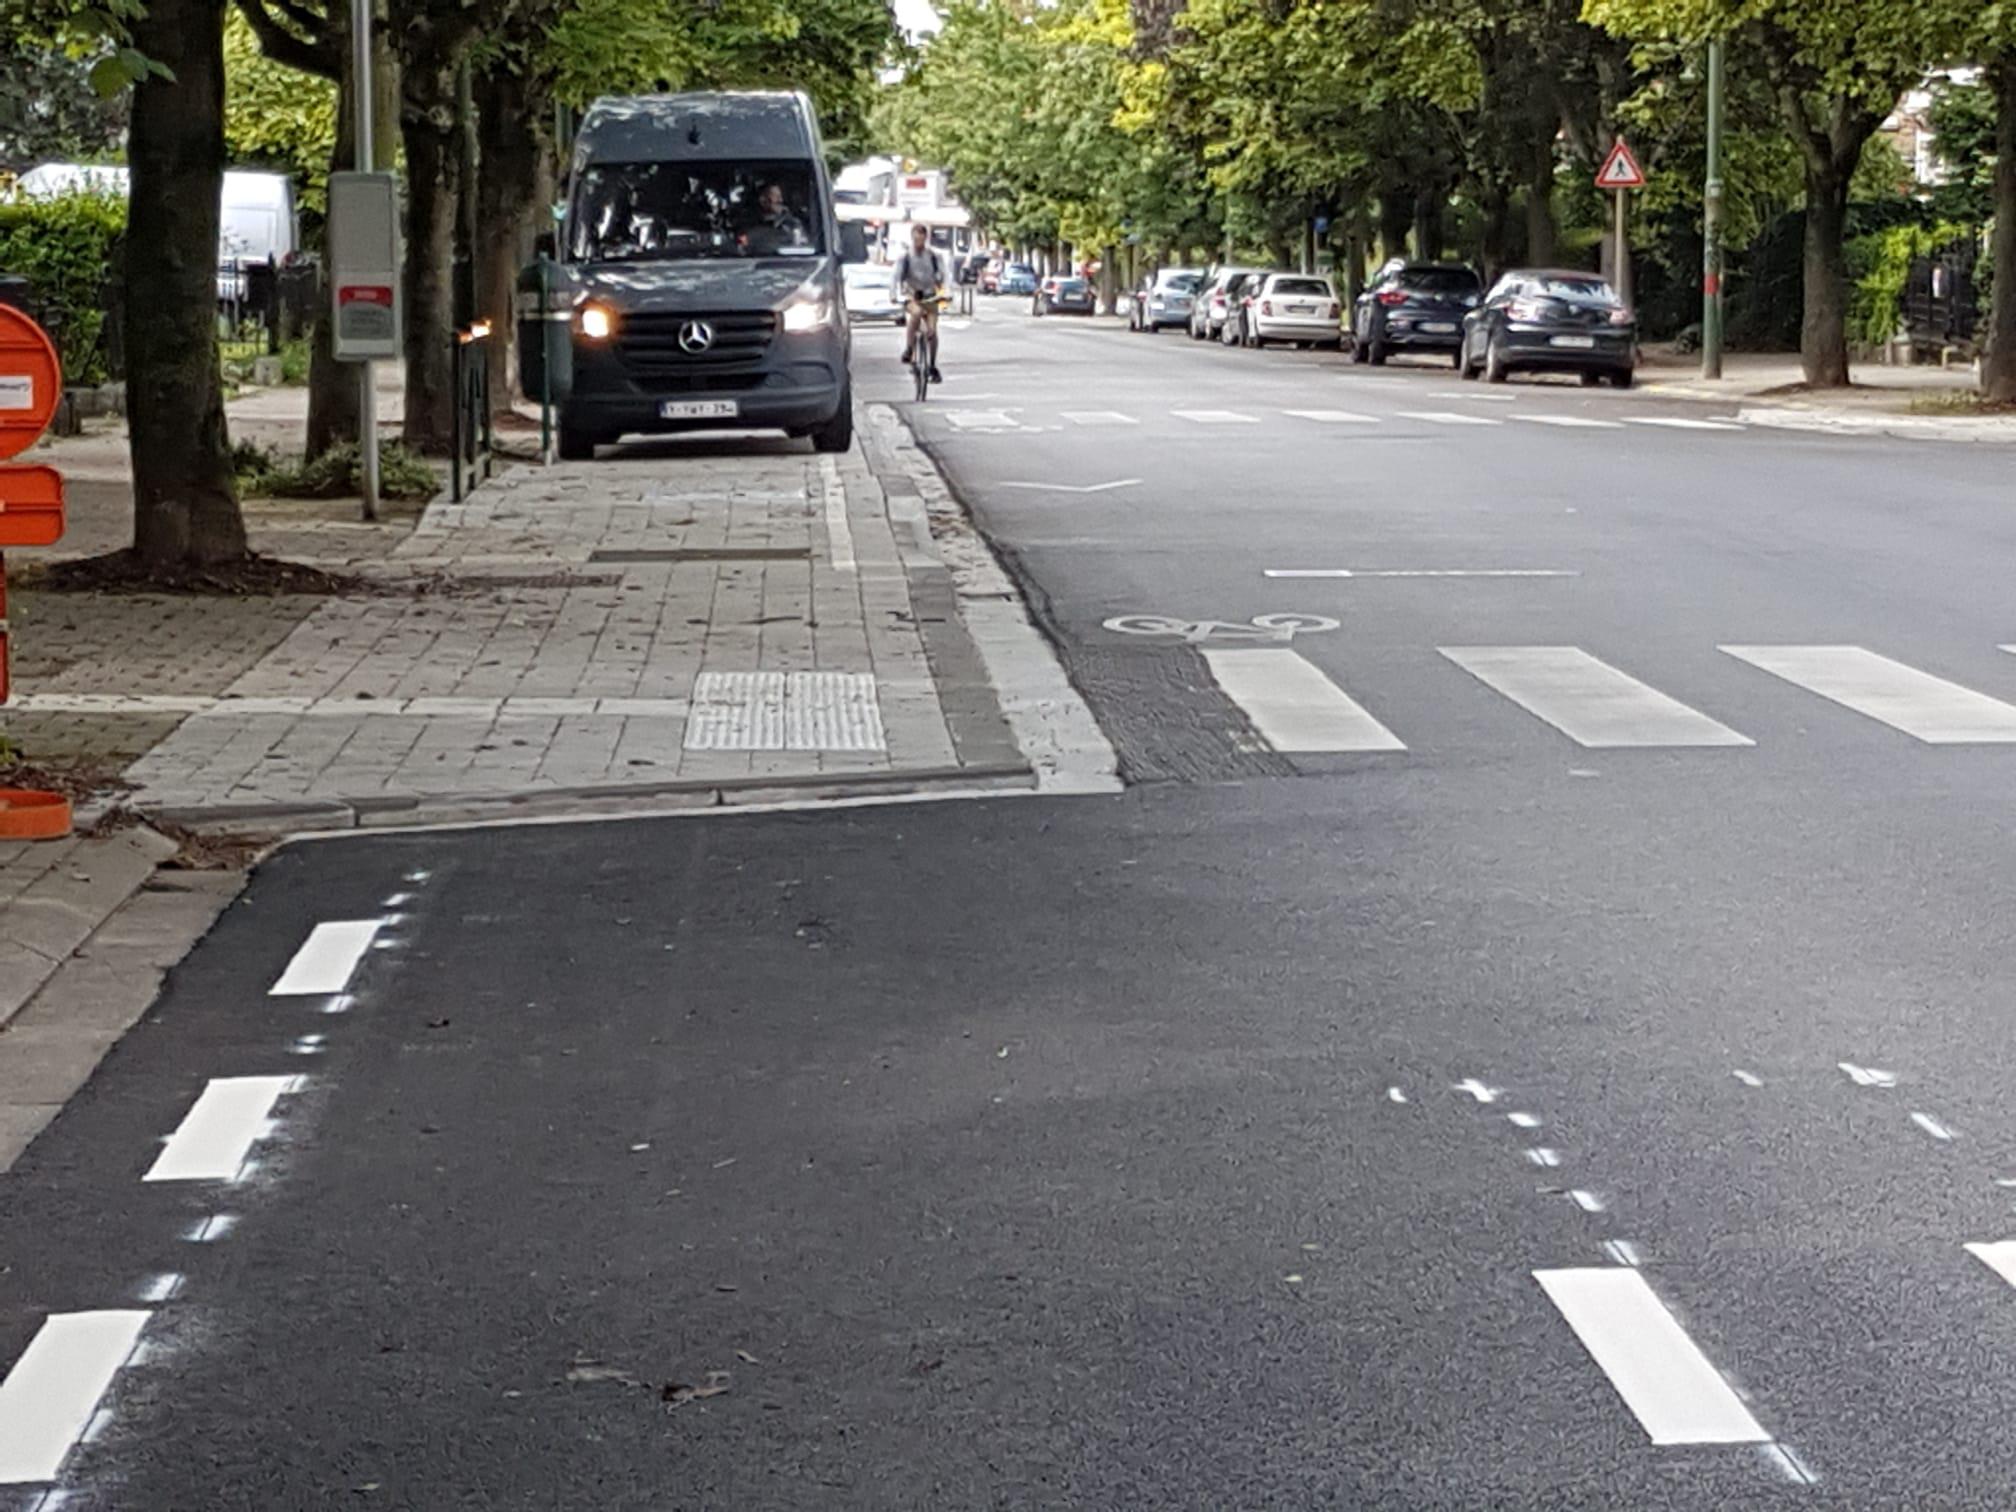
(364,265)
(1620,169)
(31,382)
(31,506)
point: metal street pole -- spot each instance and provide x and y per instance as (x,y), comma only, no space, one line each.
(1623,253)
(367,162)
(1711,224)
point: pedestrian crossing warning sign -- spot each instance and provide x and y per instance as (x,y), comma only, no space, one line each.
(1620,169)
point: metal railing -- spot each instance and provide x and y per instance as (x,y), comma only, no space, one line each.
(470,465)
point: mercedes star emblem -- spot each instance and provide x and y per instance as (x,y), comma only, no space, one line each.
(695,337)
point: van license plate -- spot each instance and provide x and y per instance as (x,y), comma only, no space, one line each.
(699,409)
(1573,341)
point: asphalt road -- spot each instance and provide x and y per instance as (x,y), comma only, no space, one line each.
(1500,1119)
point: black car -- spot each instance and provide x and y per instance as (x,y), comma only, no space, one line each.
(1413,307)
(1551,320)
(1064,296)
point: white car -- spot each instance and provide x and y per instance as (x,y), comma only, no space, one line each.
(867,293)
(1298,307)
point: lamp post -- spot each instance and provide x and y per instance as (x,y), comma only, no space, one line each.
(367,161)
(1711,223)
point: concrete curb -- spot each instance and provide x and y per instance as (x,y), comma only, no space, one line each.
(1991,429)
(382,811)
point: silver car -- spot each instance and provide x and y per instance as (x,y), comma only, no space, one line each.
(1164,300)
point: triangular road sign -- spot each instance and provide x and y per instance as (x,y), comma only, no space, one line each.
(1620,169)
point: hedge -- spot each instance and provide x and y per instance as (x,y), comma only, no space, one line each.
(66,247)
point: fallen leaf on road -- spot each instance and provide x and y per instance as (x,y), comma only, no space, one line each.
(746,1358)
(678,1393)
(586,1371)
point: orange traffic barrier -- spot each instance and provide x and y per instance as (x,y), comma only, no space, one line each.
(29,814)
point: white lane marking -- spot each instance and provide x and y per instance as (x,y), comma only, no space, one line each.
(1586,1200)
(1924,707)
(1099,417)
(1418,572)
(162,1287)
(1333,417)
(1790,1465)
(1748,1078)
(1473,395)
(326,958)
(1214,417)
(1294,705)
(1478,1090)
(1670,422)
(2000,1257)
(981,420)
(1932,1126)
(1572,422)
(1867,1076)
(1447,417)
(1623,1251)
(1523,1120)
(52,1393)
(215,1227)
(217,1133)
(1677,1396)
(1077,488)
(1588,700)
(1544,1157)
(839,534)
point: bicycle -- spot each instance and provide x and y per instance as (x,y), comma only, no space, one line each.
(924,355)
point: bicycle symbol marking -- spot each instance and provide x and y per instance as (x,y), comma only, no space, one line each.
(1262,627)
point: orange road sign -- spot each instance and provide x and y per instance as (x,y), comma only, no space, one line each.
(1620,169)
(31,382)
(31,506)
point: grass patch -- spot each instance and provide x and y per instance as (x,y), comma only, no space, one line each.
(402,475)
(1959,402)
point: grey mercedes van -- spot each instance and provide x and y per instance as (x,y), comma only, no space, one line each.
(696,275)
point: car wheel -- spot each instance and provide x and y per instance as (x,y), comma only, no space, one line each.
(1463,363)
(1591,379)
(837,434)
(1359,351)
(1495,370)
(1622,378)
(1375,353)
(1456,359)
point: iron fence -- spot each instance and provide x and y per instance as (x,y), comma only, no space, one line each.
(470,465)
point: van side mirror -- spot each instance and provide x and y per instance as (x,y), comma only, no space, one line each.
(853,242)
(545,245)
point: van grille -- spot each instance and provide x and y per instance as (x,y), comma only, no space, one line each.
(648,346)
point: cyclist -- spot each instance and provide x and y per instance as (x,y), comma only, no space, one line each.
(920,275)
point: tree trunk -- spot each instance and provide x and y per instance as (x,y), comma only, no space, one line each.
(1428,224)
(1495,205)
(1823,329)
(1998,370)
(1395,215)
(1540,234)
(427,129)
(508,209)
(185,507)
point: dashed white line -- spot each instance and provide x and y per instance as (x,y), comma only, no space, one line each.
(1586,1200)
(1623,1251)
(1332,417)
(1572,422)
(1523,1120)
(1748,1078)
(1540,1155)
(218,1132)
(1099,417)
(1677,1396)
(52,1393)
(1214,417)
(1670,422)
(1868,1076)
(326,959)
(1447,417)
(1932,1126)
(1394,1094)
(1478,1090)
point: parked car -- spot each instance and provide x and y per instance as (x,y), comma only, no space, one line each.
(1207,309)
(1237,328)
(1297,307)
(866,290)
(1550,320)
(1064,294)
(1164,299)
(1016,278)
(1414,307)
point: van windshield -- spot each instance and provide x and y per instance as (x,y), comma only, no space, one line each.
(646,212)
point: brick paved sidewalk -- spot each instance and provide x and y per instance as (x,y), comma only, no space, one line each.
(674,619)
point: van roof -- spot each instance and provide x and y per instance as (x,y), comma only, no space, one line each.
(672,127)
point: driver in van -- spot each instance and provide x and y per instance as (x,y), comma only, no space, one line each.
(775,225)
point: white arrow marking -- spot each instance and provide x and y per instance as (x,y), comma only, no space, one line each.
(1075,488)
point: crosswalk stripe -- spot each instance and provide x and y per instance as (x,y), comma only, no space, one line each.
(982,420)
(2000,1257)
(1214,417)
(1925,707)
(1447,417)
(1332,417)
(1572,422)
(1099,417)
(1677,1396)
(1588,700)
(1294,705)
(217,1134)
(1673,422)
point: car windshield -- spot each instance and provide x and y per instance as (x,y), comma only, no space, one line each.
(1438,280)
(1302,286)
(1021,270)
(1070,286)
(642,212)
(1181,283)
(1579,290)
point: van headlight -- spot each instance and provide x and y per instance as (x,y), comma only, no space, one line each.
(598,322)
(808,310)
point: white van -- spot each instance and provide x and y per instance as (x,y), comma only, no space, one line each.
(259,215)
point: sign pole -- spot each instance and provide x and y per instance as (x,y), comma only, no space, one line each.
(367,161)
(1711,223)
(1623,253)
